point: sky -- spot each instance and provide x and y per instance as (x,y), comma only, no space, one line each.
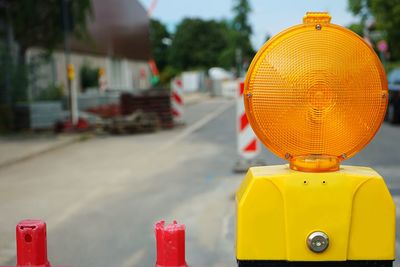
(267,17)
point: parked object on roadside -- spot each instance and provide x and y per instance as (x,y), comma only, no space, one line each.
(93,98)
(393,111)
(193,81)
(140,112)
(63,126)
(137,122)
(217,73)
(82,124)
(223,83)
(106,111)
(94,120)
(66,126)
(157,102)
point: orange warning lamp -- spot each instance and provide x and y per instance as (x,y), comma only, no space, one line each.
(316,94)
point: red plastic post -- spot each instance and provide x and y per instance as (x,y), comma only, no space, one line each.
(32,244)
(170,244)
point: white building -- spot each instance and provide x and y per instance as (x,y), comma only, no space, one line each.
(119,45)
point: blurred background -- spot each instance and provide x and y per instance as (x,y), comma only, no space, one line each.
(117,114)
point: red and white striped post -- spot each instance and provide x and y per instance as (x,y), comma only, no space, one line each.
(177,100)
(248,144)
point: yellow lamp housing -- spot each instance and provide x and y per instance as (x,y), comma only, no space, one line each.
(315,95)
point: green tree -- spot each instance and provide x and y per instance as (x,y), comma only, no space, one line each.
(242,32)
(357,28)
(241,10)
(89,76)
(39,23)
(206,43)
(32,23)
(386,14)
(198,44)
(160,41)
(227,58)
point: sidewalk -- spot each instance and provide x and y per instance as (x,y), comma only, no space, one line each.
(20,147)
(14,149)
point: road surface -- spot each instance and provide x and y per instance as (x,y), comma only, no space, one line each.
(101,197)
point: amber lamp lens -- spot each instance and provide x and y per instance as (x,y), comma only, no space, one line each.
(316,91)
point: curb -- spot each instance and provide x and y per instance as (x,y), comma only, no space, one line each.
(15,161)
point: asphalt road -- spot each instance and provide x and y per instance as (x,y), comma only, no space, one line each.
(101,197)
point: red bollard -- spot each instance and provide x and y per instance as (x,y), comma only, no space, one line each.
(32,244)
(170,244)
(31,241)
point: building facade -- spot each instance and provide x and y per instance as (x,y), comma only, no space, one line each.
(118,51)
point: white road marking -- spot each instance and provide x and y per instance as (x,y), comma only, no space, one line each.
(103,188)
(79,204)
(194,127)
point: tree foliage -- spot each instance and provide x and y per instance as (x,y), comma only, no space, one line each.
(201,44)
(386,14)
(89,76)
(35,23)
(159,39)
(198,44)
(357,28)
(242,28)
(38,22)
(241,10)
